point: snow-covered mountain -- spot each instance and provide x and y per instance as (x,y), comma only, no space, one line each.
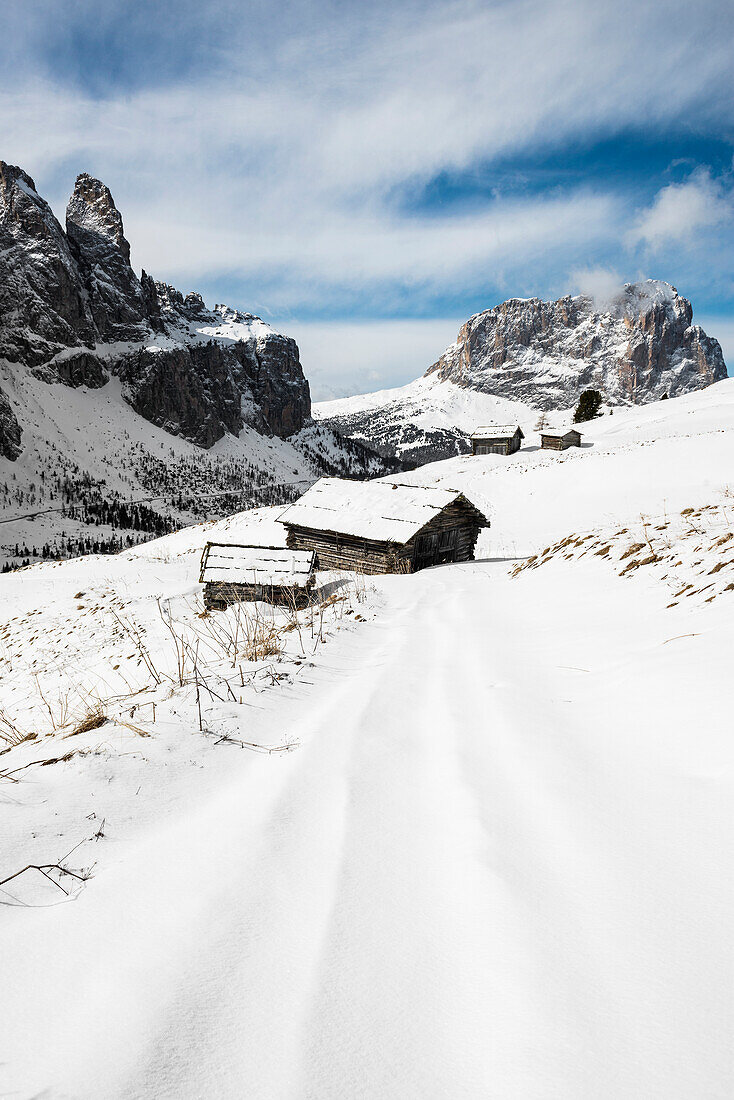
(527,355)
(114,387)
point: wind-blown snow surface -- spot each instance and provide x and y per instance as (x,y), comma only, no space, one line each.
(497,863)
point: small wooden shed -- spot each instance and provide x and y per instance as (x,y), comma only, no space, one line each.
(560,440)
(497,439)
(232,573)
(383,526)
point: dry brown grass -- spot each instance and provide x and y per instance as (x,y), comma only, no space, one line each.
(263,640)
(91,721)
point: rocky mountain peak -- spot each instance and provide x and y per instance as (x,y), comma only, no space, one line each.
(91,213)
(73,310)
(635,348)
(14,182)
(94,228)
(43,308)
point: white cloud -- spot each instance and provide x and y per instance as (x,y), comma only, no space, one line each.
(681,210)
(281,161)
(600,283)
(284,156)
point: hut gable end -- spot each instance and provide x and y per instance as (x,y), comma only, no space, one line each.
(559,439)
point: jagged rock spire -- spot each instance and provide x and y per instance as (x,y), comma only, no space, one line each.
(92,211)
(95,232)
(73,310)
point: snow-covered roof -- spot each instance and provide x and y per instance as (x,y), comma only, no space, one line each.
(256,564)
(380,510)
(495,431)
(558,433)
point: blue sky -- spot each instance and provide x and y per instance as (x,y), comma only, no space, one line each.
(368,176)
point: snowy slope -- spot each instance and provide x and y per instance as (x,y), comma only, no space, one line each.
(426,420)
(492,859)
(85,449)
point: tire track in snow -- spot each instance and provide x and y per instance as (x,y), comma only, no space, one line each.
(422,902)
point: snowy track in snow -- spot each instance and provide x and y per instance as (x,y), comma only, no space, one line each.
(496,867)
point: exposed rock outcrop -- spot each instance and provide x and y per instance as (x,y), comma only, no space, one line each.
(43,306)
(10,432)
(640,346)
(95,232)
(527,355)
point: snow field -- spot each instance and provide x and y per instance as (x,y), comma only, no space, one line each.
(496,863)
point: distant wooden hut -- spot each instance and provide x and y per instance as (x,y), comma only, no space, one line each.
(560,440)
(232,573)
(383,526)
(497,439)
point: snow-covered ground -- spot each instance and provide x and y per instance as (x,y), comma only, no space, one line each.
(489,856)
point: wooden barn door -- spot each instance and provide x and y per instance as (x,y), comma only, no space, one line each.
(447,544)
(426,549)
(435,548)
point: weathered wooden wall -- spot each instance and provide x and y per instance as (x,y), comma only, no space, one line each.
(499,444)
(336,551)
(549,443)
(220,594)
(457,515)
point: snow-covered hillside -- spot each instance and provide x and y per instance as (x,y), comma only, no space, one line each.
(94,475)
(489,853)
(527,355)
(426,420)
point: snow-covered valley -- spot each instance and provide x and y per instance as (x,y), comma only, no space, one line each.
(488,854)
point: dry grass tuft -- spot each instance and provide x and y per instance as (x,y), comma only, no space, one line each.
(91,721)
(263,640)
(632,550)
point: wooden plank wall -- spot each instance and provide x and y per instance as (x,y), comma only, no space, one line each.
(220,594)
(348,552)
(456,515)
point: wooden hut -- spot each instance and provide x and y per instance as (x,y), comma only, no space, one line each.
(232,573)
(383,526)
(497,439)
(560,440)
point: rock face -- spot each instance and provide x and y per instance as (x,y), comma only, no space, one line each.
(94,230)
(72,310)
(10,432)
(526,355)
(43,308)
(639,347)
